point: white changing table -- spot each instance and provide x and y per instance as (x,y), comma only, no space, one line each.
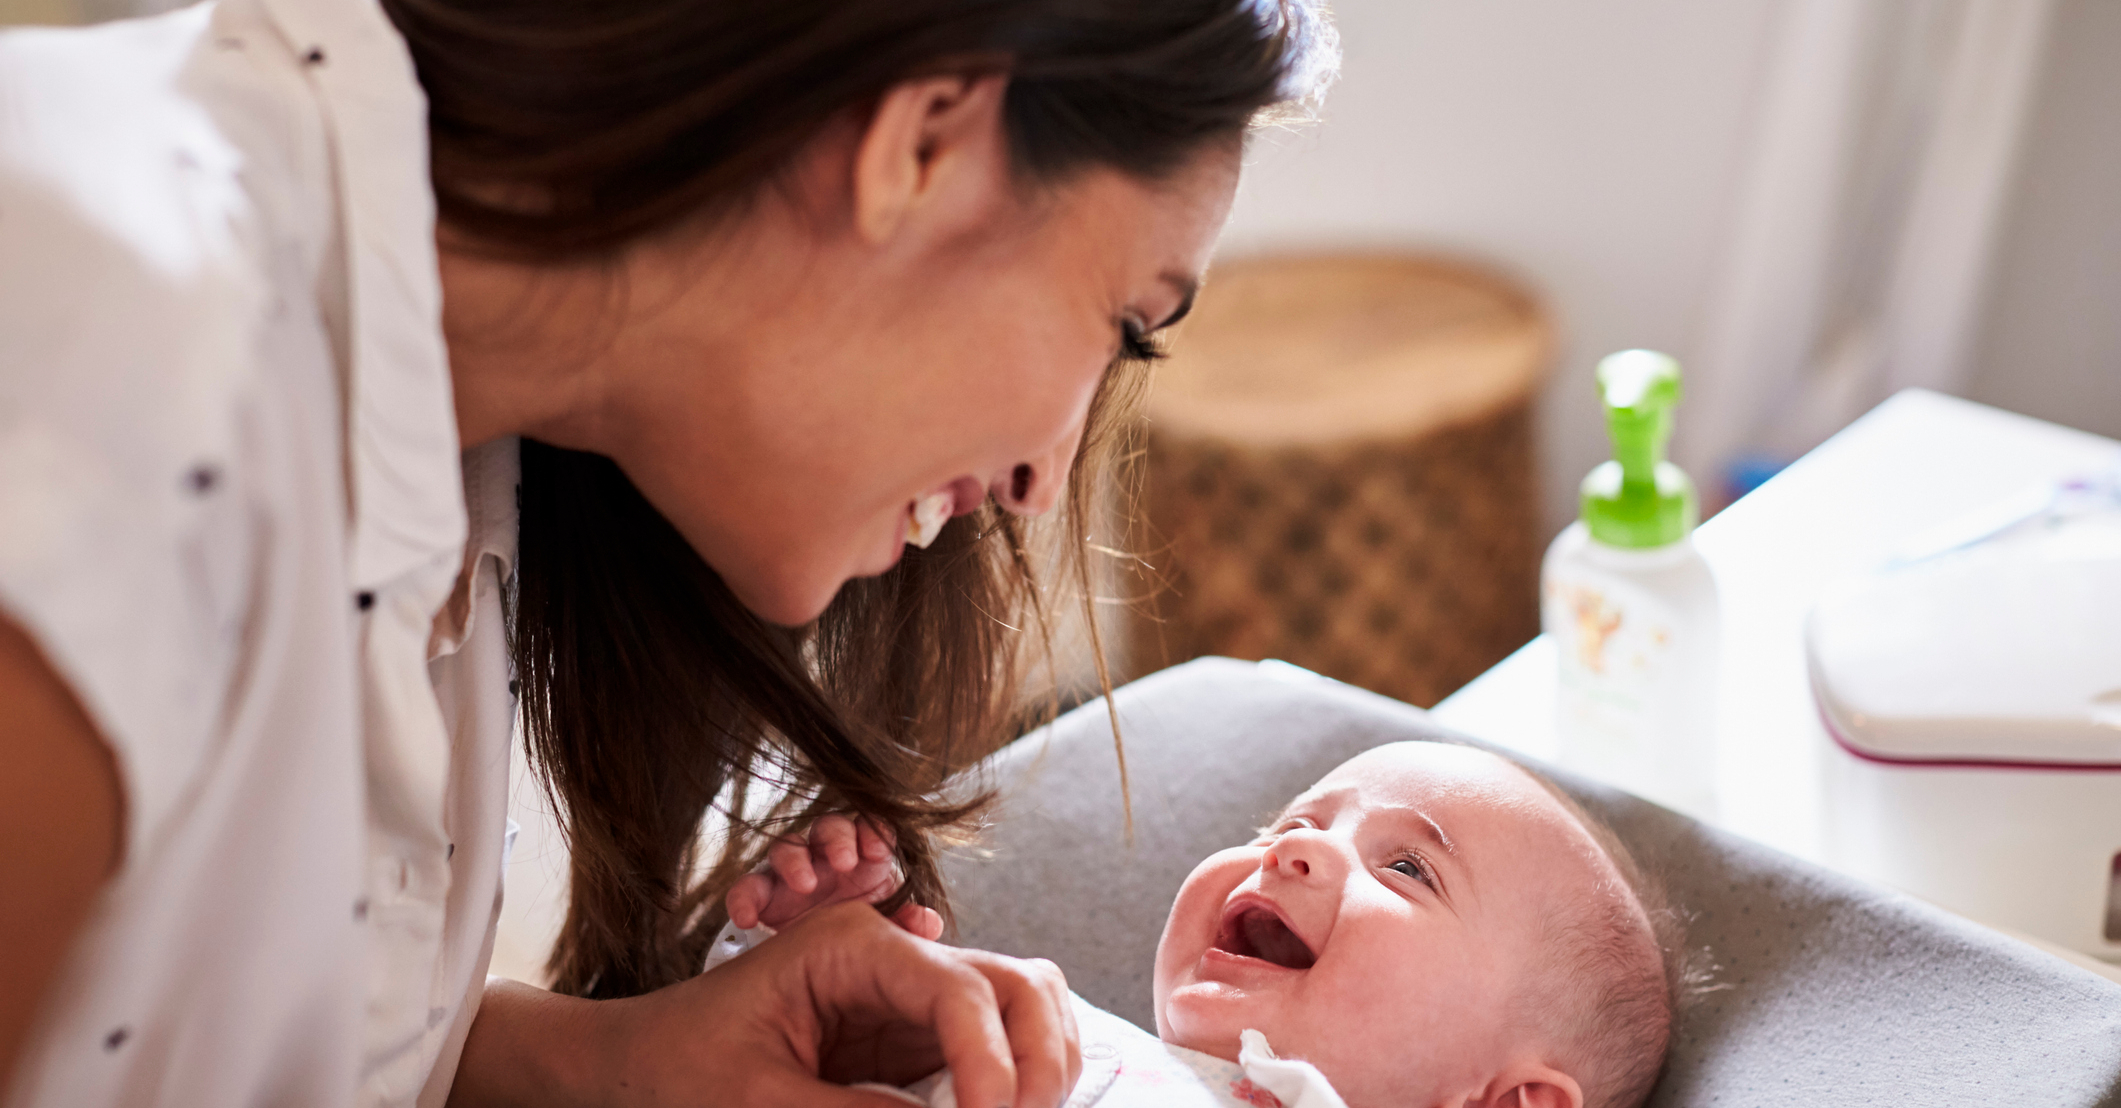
(1915,461)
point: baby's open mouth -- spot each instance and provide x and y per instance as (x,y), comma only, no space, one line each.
(1255,931)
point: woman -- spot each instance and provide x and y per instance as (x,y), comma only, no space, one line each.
(611,371)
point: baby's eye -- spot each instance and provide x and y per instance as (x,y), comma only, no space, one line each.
(1413,868)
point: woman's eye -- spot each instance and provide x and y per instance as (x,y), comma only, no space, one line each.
(1413,869)
(1134,346)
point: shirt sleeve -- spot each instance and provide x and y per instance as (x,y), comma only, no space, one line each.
(125,311)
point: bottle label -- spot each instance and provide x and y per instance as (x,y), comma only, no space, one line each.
(1623,697)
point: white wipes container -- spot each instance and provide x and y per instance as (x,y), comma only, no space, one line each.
(1973,695)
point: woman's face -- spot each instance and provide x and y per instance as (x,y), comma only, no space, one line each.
(878,328)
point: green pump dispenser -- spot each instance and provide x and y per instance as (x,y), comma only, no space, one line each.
(1639,500)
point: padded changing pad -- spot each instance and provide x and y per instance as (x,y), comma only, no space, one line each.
(1831,992)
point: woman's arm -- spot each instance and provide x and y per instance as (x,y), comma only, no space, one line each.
(59,831)
(843,995)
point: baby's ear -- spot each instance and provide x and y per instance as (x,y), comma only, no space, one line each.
(1533,1085)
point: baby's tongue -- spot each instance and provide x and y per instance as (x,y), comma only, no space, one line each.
(1271,940)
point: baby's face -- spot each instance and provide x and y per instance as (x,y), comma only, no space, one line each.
(1379,928)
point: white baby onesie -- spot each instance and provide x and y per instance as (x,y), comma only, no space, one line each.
(1127,1067)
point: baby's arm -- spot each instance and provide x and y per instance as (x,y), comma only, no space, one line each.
(841,859)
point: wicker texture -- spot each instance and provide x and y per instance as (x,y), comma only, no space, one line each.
(1405,563)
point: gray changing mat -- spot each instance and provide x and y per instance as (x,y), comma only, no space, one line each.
(1838,993)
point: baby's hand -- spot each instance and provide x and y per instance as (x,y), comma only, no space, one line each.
(844,859)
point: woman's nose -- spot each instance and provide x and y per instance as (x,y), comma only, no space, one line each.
(1034,486)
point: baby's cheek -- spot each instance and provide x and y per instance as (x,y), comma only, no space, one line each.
(1197,911)
(1389,1026)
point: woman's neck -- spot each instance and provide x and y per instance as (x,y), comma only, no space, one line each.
(523,348)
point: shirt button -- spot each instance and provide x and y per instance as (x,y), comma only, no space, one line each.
(202,478)
(364,600)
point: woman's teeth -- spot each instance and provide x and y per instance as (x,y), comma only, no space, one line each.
(925,517)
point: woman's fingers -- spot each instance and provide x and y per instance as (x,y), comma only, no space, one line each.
(843,996)
(974,1039)
(1001,1025)
(1013,1043)
(1046,1048)
(799,1091)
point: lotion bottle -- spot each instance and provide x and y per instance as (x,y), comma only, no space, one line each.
(1631,606)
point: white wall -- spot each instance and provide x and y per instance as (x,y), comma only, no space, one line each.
(2050,344)
(1591,149)
(1596,150)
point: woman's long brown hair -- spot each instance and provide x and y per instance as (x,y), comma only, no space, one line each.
(650,697)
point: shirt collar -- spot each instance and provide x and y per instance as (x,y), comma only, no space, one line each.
(403,477)
(492,475)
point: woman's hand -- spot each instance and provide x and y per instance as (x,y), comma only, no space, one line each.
(842,996)
(844,859)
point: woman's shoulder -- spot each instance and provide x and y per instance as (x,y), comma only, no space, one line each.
(154,218)
(149,187)
(168,398)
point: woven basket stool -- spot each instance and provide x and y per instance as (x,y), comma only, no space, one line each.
(1340,473)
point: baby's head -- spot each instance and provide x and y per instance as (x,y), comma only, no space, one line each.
(1429,924)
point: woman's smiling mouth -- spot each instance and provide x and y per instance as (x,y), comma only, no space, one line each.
(1254,929)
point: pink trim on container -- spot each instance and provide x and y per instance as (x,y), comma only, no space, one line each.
(1827,720)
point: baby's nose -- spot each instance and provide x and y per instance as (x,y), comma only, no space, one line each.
(1298,855)
(1288,862)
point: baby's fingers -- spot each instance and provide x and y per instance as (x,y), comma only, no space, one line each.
(920,920)
(748,898)
(876,841)
(791,861)
(834,838)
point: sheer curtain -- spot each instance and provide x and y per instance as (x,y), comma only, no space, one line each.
(1883,151)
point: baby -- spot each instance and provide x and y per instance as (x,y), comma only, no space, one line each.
(1427,925)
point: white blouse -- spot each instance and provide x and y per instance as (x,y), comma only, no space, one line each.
(233,514)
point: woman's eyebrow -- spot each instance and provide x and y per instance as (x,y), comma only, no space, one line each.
(1187,286)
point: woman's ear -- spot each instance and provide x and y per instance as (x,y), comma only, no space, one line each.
(933,141)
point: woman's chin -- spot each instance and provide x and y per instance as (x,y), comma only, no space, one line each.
(783,603)
(788,594)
